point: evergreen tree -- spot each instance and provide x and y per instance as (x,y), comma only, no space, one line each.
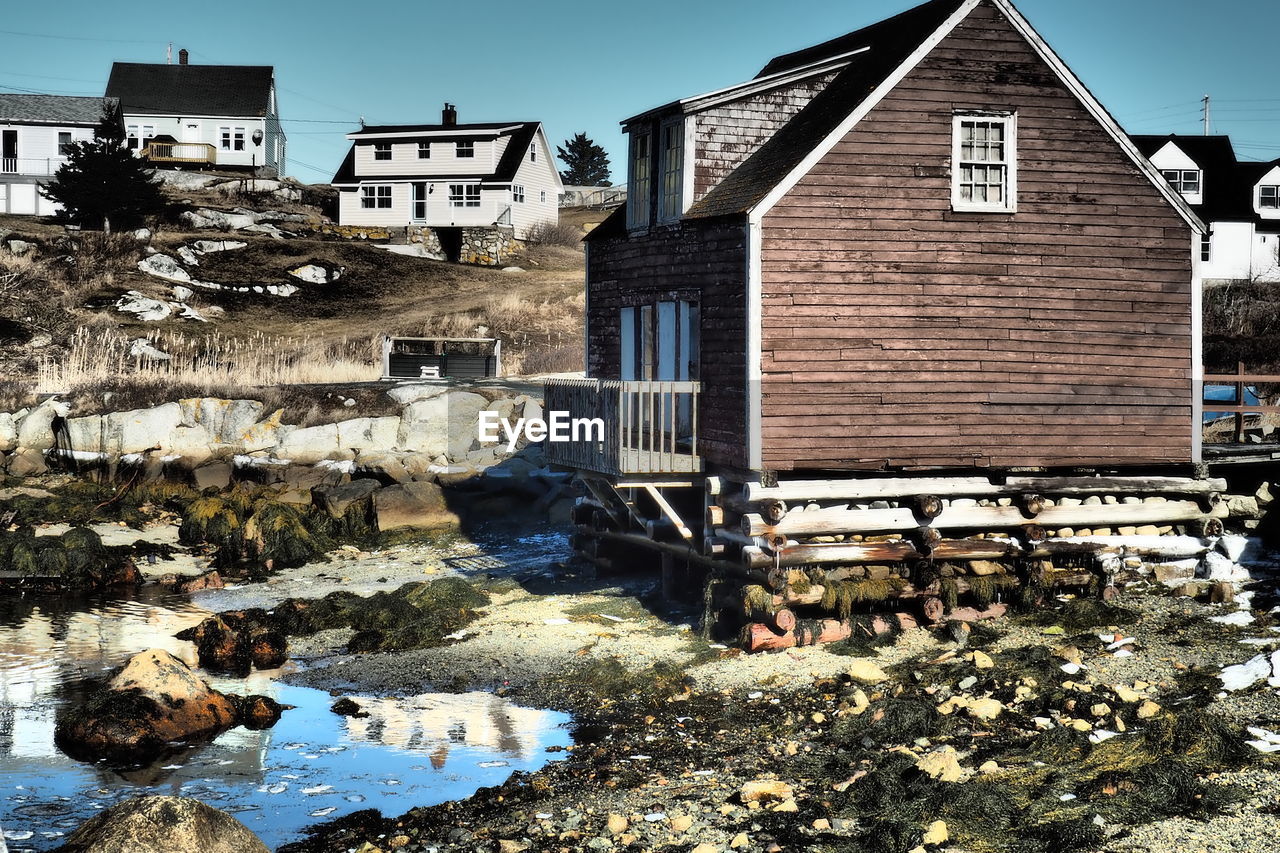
(102,184)
(588,163)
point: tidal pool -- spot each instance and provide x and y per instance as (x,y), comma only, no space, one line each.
(312,766)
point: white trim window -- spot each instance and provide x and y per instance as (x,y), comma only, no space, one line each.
(1206,247)
(382,150)
(1269,197)
(638,190)
(419,197)
(424,150)
(64,143)
(464,195)
(517,193)
(533,152)
(229,138)
(542,196)
(375,196)
(671,169)
(984,170)
(465,148)
(1185,181)
(131,137)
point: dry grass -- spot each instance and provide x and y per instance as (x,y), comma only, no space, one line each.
(554,234)
(102,359)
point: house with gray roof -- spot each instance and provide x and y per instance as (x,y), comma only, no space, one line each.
(36,132)
(204,116)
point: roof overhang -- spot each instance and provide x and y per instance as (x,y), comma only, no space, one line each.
(476,133)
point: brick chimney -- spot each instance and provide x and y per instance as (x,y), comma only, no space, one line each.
(182,56)
(449,115)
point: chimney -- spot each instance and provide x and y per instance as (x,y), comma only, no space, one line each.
(182,56)
(449,115)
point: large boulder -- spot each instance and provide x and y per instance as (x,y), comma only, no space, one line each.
(85,433)
(424,427)
(265,434)
(143,307)
(8,432)
(338,500)
(309,444)
(27,462)
(368,433)
(155,700)
(159,824)
(406,394)
(464,423)
(226,420)
(417,506)
(237,641)
(165,267)
(140,429)
(35,431)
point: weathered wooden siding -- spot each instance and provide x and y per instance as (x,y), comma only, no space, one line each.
(899,333)
(726,135)
(703,261)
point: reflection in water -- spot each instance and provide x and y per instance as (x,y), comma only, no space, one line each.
(313,765)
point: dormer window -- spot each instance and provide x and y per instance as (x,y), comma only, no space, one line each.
(671,168)
(1269,197)
(984,163)
(465,148)
(639,180)
(382,150)
(1185,181)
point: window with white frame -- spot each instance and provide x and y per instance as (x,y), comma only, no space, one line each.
(533,152)
(465,148)
(638,191)
(1269,197)
(64,143)
(131,136)
(1206,247)
(542,196)
(375,196)
(517,193)
(1185,181)
(148,134)
(984,164)
(382,150)
(231,138)
(424,150)
(671,169)
(464,195)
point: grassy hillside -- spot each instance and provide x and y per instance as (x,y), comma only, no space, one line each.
(59,326)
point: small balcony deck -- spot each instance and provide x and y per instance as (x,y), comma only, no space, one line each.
(650,428)
(42,167)
(184,153)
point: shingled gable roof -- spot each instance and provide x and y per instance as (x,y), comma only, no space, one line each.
(191,90)
(896,45)
(51,109)
(521,135)
(1228,183)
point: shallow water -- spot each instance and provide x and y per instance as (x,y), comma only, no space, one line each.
(312,766)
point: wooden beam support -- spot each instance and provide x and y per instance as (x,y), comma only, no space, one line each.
(798,491)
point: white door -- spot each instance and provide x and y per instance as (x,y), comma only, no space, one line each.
(191,131)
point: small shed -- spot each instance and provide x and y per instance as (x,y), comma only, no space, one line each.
(438,358)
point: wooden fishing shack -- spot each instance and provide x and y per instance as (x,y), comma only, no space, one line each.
(904,319)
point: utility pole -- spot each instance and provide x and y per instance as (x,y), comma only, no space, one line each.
(1206,115)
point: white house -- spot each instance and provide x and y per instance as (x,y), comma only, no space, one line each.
(225,116)
(449,175)
(1240,201)
(35,132)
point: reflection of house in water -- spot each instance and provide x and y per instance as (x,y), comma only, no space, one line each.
(432,723)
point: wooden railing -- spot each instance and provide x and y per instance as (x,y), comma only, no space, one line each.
(198,153)
(1239,405)
(649,427)
(38,167)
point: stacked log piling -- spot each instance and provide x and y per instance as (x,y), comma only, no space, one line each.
(809,560)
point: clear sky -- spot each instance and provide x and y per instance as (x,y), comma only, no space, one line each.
(584,66)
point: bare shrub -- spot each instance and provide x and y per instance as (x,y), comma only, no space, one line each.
(554,234)
(16,394)
(563,358)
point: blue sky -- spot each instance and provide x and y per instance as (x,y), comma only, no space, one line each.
(584,66)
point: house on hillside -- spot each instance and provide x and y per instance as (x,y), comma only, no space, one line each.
(445,179)
(35,133)
(1240,201)
(923,246)
(212,116)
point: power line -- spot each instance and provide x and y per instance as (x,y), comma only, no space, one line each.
(75,38)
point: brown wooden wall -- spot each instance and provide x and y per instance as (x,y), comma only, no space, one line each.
(898,333)
(726,135)
(703,260)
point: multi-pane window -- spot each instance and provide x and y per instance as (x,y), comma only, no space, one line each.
(464,195)
(231,138)
(375,196)
(983,163)
(670,191)
(138,135)
(419,202)
(638,191)
(1185,181)
(424,150)
(542,197)
(382,150)
(131,136)
(1269,197)
(533,152)
(465,148)
(64,143)
(517,193)
(1206,247)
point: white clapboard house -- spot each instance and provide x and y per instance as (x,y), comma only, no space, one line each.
(449,175)
(35,133)
(1239,200)
(209,116)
